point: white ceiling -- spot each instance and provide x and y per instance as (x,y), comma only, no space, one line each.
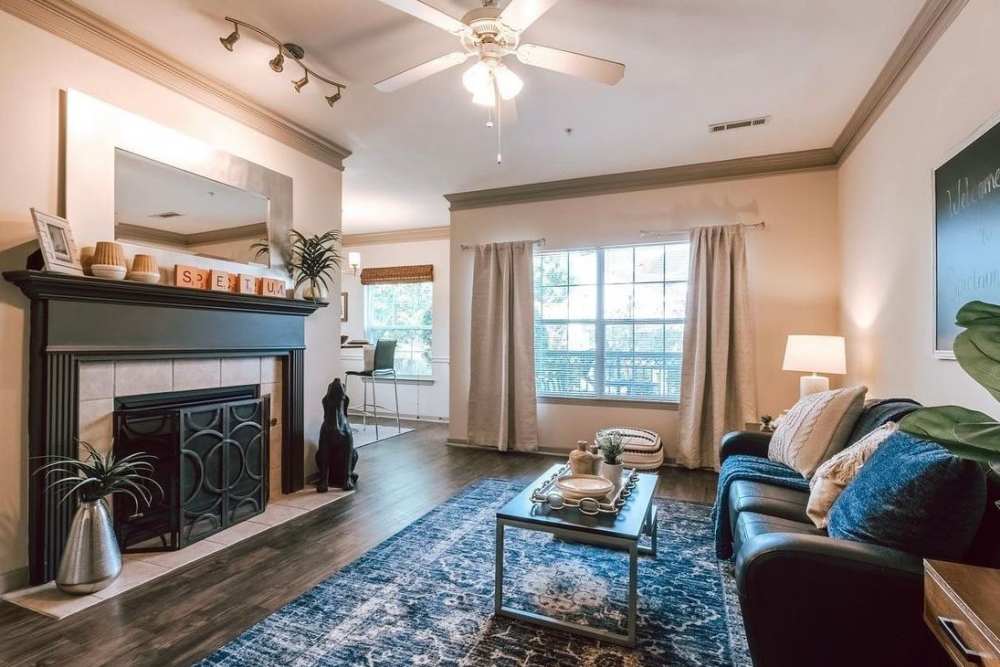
(807,64)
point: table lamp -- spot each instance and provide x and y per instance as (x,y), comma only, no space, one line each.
(815,354)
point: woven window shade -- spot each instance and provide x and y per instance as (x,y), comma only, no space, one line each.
(421,273)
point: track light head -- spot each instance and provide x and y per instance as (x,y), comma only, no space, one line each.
(233,37)
(277,63)
(300,83)
(333,99)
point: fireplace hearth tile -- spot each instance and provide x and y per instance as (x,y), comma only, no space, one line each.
(143,377)
(197,374)
(173,559)
(270,370)
(240,371)
(96,424)
(309,499)
(134,573)
(238,533)
(275,515)
(50,601)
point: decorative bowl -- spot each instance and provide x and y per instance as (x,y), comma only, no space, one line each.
(109,253)
(145,276)
(577,487)
(113,271)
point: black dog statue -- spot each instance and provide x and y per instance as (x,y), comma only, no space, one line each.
(336,456)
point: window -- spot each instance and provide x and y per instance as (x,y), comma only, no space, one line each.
(609,322)
(402,312)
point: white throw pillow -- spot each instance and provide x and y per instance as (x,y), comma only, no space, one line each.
(816,428)
(833,476)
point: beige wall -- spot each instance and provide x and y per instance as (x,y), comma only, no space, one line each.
(425,400)
(794,276)
(29,176)
(887,216)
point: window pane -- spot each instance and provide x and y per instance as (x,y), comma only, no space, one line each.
(649,301)
(618,263)
(403,313)
(555,304)
(675,338)
(649,338)
(551,337)
(583,267)
(554,269)
(582,338)
(618,338)
(583,302)
(649,264)
(678,255)
(618,302)
(676,300)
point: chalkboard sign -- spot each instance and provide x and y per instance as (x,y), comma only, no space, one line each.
(967,228)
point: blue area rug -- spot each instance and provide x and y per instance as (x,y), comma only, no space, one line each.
(425,597)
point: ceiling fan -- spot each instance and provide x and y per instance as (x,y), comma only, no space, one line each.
(489,34)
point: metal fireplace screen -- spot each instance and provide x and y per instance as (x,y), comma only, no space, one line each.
(211,460)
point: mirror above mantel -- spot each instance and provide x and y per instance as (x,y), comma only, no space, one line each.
(166,207)
(160,192)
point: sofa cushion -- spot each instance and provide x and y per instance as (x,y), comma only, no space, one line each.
(879,411)
(750,524)
(915,496)
(766,499)
(833,476)
(816,428)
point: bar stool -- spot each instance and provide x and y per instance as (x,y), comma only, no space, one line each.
(384,366)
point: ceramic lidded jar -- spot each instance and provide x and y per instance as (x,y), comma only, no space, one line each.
(581,460)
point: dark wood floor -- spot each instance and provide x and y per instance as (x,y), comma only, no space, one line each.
(188,614)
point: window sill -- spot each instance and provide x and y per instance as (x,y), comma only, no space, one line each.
(608,402)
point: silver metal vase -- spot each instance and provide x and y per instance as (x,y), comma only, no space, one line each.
(92,559)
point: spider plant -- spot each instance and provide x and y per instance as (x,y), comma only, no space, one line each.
(313,261)
(99,475)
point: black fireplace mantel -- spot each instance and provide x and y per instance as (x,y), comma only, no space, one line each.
(76,319)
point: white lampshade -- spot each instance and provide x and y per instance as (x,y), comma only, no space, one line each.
(815,354)
(479,80)
(354,260)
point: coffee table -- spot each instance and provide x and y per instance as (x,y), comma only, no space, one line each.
(635,519)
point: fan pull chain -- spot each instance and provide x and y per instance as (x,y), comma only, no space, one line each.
(496,101)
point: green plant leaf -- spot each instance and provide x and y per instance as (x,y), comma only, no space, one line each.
(965,433)
(978,312)
(978,352)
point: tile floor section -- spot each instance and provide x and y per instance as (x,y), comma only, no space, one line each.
(139,569)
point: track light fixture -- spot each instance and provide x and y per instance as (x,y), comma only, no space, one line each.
(277,63)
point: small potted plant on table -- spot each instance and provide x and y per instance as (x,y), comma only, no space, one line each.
(611,447)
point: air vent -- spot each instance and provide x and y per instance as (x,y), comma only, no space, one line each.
(738,124)
(167,214)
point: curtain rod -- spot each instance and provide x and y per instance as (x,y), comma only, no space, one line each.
(464,246)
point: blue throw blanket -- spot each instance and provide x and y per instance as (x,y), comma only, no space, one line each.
(752,469)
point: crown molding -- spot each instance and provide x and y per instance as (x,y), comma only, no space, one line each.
(92,32)
(931,22)
(401,236)
(649,179)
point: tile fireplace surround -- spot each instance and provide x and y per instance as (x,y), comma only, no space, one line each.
(101,382)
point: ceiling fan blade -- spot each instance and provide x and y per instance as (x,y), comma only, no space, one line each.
(425,12)
(574,64)
(520,14)
(414,74)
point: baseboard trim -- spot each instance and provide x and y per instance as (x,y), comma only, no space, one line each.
(13,580)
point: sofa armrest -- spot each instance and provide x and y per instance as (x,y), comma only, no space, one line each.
(751,443)
(815,600)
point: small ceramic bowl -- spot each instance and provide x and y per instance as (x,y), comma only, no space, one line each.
(577,487)
(151,277)
(113,271)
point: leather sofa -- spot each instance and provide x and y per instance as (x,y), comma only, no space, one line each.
(809,599)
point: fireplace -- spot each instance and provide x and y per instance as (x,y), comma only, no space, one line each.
(211,452)
(134,328)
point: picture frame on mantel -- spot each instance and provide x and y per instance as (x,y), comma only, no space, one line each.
(58,248)
(966,191)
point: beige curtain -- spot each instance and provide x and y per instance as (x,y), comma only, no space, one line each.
(718,385)
(502,410)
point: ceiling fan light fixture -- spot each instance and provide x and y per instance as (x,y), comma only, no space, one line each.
(277,63)
(477,78)
(508,83)
(484,98)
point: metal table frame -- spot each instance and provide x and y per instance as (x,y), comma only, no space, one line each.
(626,544)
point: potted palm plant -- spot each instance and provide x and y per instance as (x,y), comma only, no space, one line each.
(968,433)
(313,262)
(92,559)
(611,447)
